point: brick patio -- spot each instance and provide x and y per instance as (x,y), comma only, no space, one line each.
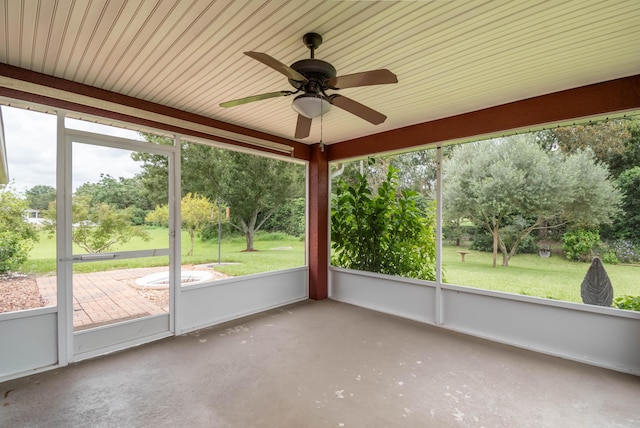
(104,297)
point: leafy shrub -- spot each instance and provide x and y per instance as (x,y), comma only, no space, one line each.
(385,233)
(630,303)
(579,244)
(609,256)
(137,215)
(482,241)
(288,217)
(17,236)
(13,251)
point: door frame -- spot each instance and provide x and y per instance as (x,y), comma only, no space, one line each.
(75,346)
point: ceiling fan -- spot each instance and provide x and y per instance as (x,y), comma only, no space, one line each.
(314,77)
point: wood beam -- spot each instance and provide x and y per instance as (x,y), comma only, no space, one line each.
(299,150)
(598,99)
(318,226)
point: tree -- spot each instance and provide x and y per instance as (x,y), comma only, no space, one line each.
(154,177)
(615,143)
(17,236)
(511,185)
(251,186)
(121,193)
(289,218)
(196,213)
(626,167)
(627,225)
(593,198)
(607,139)
(254,187)
(386,232)
(416,170)
(40,196)
(630,156)
(201,169)
(98,227)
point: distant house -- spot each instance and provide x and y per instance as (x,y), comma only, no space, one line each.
(33,217)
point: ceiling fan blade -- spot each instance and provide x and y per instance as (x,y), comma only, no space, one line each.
(360,110)
(277,66)
(253,98)
(366,78)
(303,127)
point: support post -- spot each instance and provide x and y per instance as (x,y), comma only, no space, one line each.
(318,223)
(439,302)
(219,234)
(64,269)
(175,237)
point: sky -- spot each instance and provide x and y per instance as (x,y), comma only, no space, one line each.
(30,139)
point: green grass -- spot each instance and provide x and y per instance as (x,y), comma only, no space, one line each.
(529,274)
(271,255)
(282,253)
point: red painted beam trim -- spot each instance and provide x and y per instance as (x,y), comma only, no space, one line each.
(597,99)
(300,150)
(66,105)
(318,226)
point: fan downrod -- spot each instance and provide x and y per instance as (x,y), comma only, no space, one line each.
(312,41)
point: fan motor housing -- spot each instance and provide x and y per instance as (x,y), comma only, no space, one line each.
(316,70)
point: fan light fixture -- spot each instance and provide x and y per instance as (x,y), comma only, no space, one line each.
(314,77)
(311,105)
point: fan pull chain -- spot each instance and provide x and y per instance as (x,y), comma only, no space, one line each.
(321,116)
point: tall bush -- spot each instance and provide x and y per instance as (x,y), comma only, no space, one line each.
(17,236)
(196,212)
(97,227)
(288,217)
(384,233)
(579,244)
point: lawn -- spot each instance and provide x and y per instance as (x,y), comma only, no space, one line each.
(554,277)
(530,274)
(275,252)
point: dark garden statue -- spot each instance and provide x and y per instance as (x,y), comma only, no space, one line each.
(596,286)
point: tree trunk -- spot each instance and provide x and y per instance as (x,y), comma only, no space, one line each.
(495,244)
(505,259)
(543,232)
(249,231)
(192,235)
(508,253)
(249,238)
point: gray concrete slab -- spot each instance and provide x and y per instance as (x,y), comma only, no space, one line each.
(323,364)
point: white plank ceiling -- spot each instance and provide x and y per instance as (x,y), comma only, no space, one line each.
(450,56)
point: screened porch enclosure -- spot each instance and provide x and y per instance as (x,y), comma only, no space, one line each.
(301,342)
(555,328)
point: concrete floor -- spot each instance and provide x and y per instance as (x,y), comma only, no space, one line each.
(323,364)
